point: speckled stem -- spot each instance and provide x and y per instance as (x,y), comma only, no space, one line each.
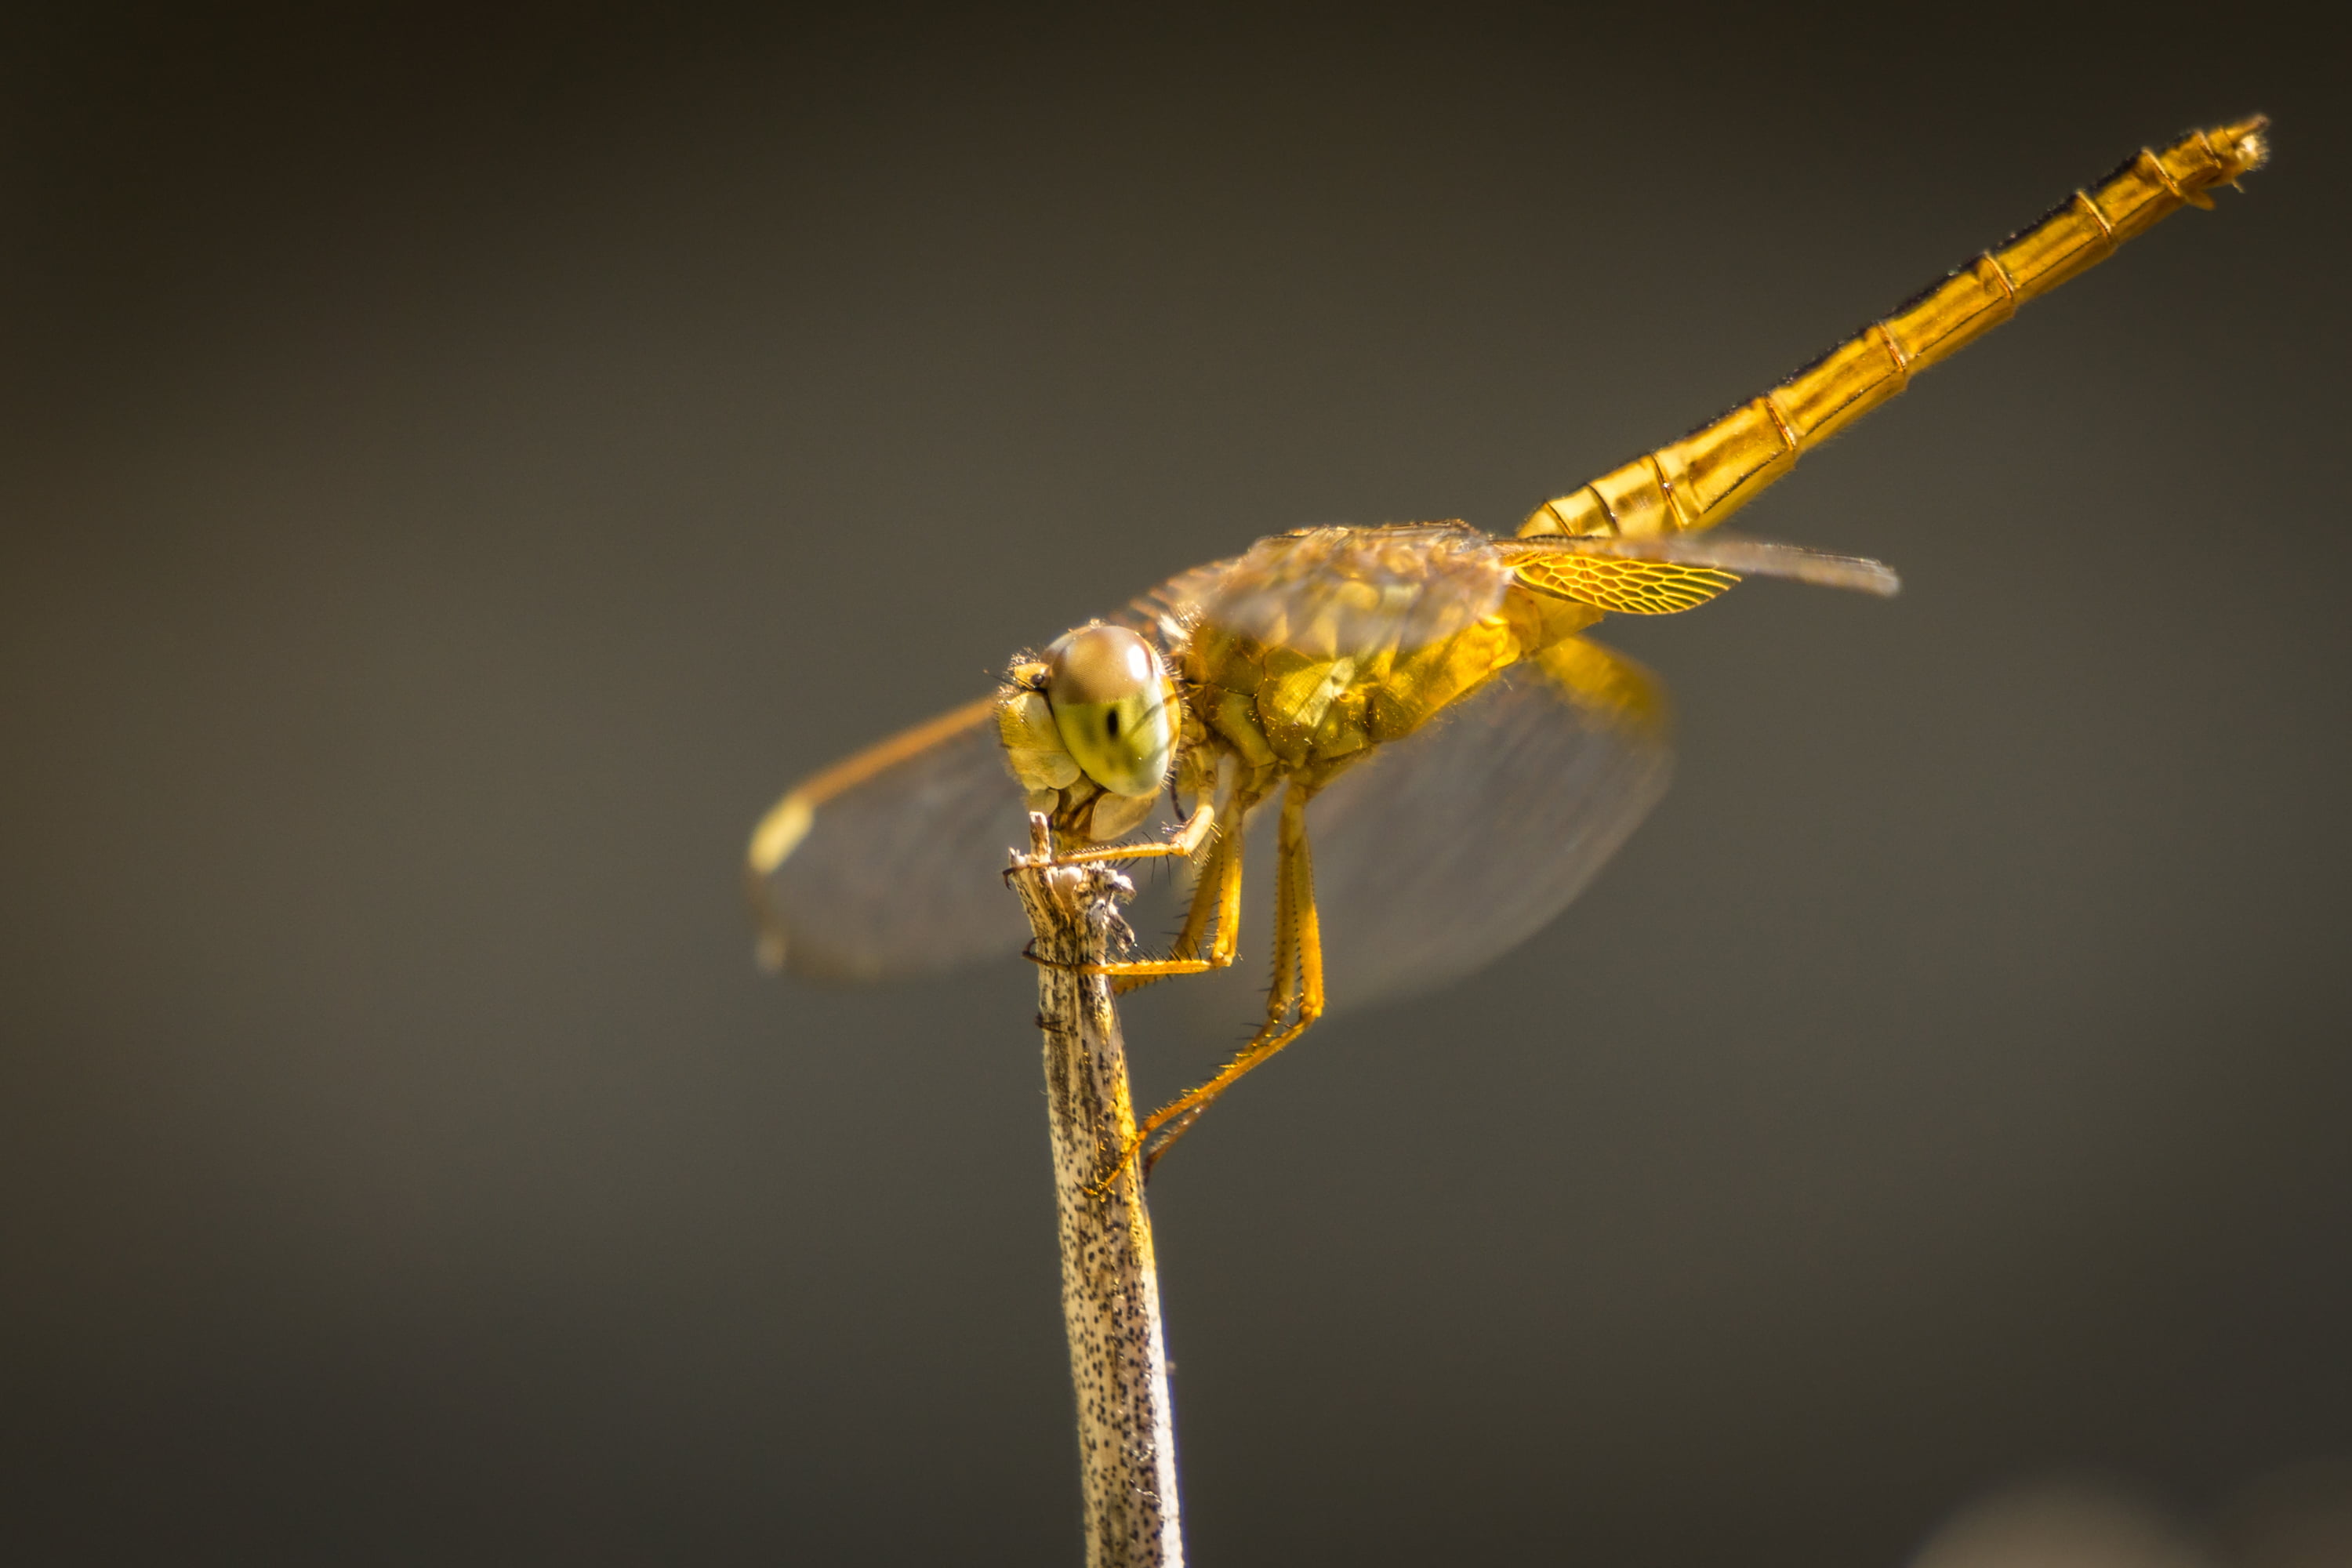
(1111,1286)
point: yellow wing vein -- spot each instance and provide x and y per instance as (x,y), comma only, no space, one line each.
(1625,587)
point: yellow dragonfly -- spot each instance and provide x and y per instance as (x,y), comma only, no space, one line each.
(1471,757)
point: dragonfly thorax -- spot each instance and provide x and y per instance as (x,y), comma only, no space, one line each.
(1317,646)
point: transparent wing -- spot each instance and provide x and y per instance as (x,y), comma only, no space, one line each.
(1665,574)
(1626,588)
(888,864)
(1443,850)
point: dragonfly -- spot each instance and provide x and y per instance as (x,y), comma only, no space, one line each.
(1448,758)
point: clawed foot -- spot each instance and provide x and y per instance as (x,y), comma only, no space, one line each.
(1100,1190)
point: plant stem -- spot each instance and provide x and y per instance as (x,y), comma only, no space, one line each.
(1110,1285)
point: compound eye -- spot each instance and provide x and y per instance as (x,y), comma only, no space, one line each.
(1110,699)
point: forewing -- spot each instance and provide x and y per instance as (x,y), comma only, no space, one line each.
(1659,574)
(1447,848)
(1352,593)
(890,863)
(1625,587)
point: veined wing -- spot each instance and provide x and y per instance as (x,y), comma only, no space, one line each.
(1354,592)
(1663,574)
(1443,850)
(888,864)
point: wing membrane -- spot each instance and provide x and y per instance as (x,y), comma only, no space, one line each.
(1625,587)
(1449,847)
(887,865)
(1661,574)
(1442,851)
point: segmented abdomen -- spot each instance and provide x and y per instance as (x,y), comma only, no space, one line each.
(1701,479)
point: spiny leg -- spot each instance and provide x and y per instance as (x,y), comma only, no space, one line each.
(1186,841)
(1218,895)
(1297,1000)
(1220,890)
(1215,906)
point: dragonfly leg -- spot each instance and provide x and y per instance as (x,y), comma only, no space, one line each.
(1219,892)
(1296,1003)
(1218,896)
(1186,841)
(1212,930)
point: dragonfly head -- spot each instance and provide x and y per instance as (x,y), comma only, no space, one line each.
(1110,701)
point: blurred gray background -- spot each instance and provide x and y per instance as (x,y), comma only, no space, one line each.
(459,466)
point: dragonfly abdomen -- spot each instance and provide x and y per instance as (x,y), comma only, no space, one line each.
(1701,479)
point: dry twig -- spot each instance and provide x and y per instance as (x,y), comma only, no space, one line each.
(1110,1285)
